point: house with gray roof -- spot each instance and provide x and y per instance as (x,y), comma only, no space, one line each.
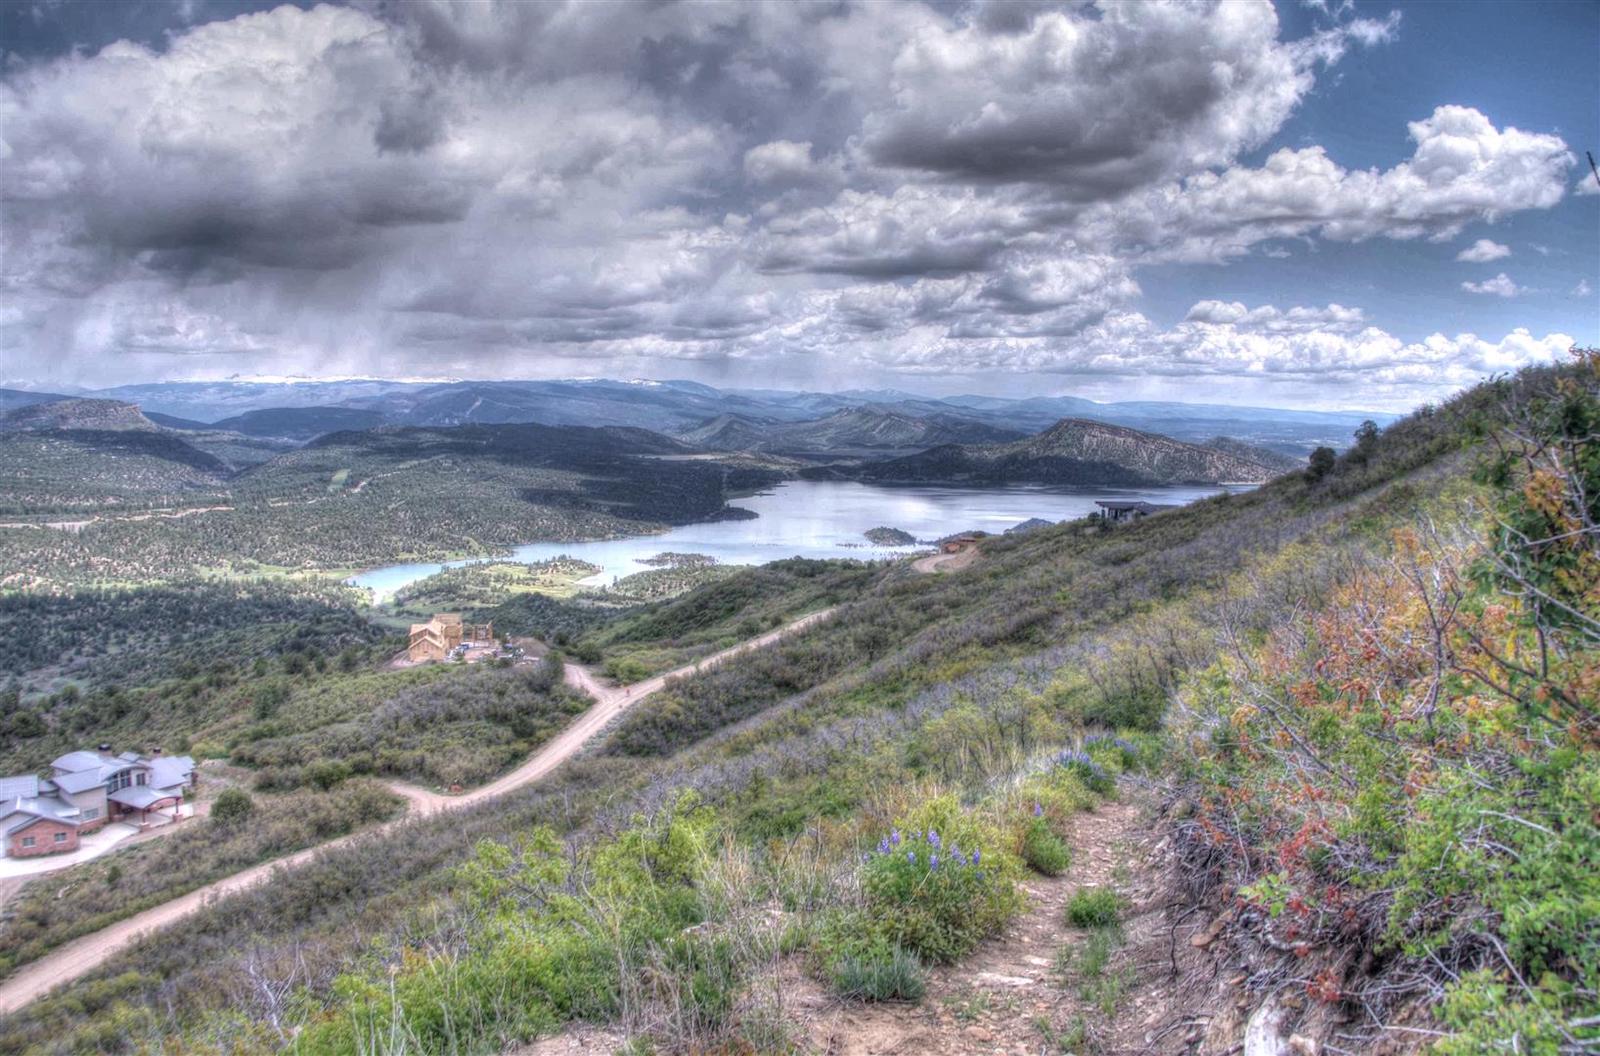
(85,790)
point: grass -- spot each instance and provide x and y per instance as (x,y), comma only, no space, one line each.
(1094,907)
(887,975)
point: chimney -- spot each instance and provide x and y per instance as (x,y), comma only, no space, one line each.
(105,747)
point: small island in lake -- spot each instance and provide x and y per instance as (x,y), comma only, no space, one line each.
(889,537)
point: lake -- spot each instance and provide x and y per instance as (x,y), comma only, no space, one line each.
(818,519)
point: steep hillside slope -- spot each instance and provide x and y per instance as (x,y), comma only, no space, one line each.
(1079,451)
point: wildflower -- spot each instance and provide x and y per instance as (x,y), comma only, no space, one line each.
(883,846)
(894,837)
(933,837)
(1038,809)
(911,856)
(933,861)
(977,856)
(866,857)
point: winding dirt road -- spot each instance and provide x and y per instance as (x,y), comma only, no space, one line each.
(83,955)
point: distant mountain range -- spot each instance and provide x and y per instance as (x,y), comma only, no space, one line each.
(1076,451)
(75,451)
(686,408)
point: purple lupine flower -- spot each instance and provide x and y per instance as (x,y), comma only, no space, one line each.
(866,857)
(933,837)
(911,856)
(933,861)
(977,856)
(894,837)
(1038,809)
(883,846)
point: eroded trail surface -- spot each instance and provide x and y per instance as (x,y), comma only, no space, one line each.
(1028,991)
(1022,992)
(83,955)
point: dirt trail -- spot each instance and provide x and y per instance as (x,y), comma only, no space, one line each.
(955,562)
(610,701)
(995,1000)
(83,955)
(1016,994)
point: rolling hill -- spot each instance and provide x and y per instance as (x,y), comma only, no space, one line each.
(874,429)
(680,406)
(1082,452)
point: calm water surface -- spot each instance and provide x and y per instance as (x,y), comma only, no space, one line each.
(817,519)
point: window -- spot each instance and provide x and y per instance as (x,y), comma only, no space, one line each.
(119,781)
(90,813)
(27,841)
(61,837)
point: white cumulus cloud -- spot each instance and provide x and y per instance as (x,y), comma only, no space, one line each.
(1483,251)
(1499,286)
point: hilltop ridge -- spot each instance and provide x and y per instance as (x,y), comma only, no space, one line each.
(1083,452)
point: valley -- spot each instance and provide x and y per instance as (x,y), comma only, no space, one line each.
(760,709)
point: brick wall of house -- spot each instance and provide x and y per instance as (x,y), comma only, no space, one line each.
(43,832)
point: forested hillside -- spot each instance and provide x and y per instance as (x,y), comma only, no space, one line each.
(1358,701)
(347,500)
(1079,451)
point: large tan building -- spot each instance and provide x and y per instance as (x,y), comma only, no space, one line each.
(435,639)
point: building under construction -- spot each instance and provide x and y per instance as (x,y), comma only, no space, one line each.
(443,634)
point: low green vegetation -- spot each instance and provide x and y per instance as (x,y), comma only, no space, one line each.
(486,584)
(732,608)
(58,907)
(439,725)
(1094,907)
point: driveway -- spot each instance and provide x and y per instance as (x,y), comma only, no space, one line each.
(91,846)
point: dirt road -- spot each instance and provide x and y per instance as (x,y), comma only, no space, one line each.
(946,562)
(83,955)
(610,701)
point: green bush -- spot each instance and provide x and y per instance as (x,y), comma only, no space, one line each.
(879,974)
(626,669)
(232,806)
(1094,907)
(1043,850)
(939,884)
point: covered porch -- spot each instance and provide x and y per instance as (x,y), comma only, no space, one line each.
(143,806)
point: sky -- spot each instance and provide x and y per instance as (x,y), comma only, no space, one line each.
(1319,204)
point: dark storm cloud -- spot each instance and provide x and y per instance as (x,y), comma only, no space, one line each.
(918,187)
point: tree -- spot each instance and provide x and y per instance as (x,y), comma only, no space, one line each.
(1321,464)
(233,806)
(1366,440)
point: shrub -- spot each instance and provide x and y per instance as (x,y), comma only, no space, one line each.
(326,773)
(1082,766)
(879,974)
(932,887)
(1043,850)
(1114,752)
(626,669)
(1094,907)
(232,806)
